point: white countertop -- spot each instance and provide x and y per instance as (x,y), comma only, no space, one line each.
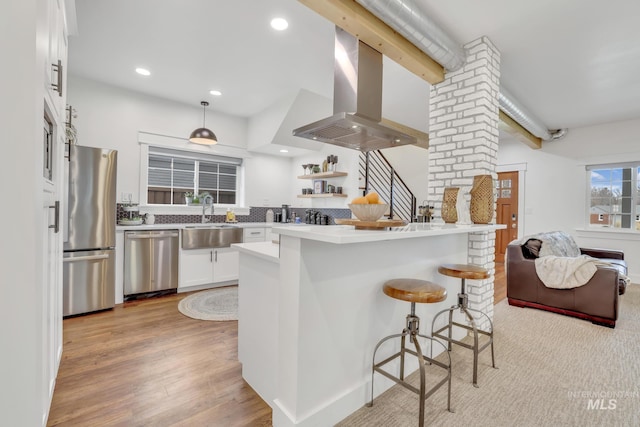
(265,250)
(344,234)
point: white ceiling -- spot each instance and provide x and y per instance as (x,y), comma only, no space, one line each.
(573,63)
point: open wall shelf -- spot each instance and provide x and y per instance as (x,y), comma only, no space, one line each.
(323,175)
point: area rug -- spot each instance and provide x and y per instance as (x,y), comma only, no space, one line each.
(213,304)
(553,370)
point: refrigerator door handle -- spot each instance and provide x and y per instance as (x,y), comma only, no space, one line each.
(56,216)
(85,258)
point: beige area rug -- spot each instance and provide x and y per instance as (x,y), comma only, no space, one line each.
(212,304)
(553,370)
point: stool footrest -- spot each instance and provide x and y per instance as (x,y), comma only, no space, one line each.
(437,334)
(409,386)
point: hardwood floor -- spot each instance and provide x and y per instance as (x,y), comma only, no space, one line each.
(145,364)
(499,284)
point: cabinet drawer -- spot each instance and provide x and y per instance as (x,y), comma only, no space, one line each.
(254,235)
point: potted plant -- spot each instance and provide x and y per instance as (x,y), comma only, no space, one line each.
(188,196)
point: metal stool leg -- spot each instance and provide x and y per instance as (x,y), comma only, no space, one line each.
(373,364)
(448,365)
(475,346)
(422,379)
(489,333)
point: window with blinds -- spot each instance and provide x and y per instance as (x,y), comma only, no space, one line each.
(173,174)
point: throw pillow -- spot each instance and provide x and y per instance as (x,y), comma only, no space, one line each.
(531,248)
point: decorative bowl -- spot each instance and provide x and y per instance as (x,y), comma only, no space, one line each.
(368,212)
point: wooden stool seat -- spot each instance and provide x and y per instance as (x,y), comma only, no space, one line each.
(414,290)
(464,271)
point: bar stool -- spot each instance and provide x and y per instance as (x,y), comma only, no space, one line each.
(414,291)
(473,272)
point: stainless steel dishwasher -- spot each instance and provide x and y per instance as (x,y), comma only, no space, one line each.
(150,261)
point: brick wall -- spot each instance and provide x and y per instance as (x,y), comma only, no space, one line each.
(463,142)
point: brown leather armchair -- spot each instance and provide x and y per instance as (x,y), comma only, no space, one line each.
(596,301)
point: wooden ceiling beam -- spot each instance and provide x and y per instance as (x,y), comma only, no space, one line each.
(512,127)
(359,22)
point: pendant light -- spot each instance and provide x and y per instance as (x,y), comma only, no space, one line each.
(203,135)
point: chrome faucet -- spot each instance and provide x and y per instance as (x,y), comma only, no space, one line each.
(207,200)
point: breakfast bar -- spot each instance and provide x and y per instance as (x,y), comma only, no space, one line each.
(311,309)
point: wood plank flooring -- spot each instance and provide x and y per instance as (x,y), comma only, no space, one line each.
(499,284)
(145,364)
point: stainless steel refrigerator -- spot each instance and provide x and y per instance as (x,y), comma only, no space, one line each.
(89,230)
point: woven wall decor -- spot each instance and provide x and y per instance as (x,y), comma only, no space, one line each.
(481,208)
(449,200)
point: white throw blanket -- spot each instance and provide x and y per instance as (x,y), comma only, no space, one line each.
(566,272)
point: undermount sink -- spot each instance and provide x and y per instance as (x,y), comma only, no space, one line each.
(210,236)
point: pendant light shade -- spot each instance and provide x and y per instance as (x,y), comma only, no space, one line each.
(203,135)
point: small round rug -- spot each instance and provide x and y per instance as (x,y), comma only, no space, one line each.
(212,304)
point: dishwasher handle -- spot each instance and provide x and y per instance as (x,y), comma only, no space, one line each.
(151,235)
(85,258)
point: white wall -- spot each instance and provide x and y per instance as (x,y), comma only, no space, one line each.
(111,117)
(556,183)
(268,180)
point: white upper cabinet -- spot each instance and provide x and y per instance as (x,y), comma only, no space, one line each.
(55,66)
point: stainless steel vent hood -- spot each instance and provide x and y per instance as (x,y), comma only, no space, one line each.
(357,101)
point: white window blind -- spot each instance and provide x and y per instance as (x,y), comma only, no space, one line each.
(174,173)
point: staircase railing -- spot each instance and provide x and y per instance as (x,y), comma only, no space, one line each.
(377,174)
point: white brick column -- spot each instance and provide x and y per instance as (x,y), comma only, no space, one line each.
(463,142)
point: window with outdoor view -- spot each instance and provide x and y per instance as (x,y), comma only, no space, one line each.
(177,178)
(614,196)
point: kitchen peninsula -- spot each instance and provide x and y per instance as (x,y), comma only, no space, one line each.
(311,310)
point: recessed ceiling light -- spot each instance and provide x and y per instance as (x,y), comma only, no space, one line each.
(284,151)
(215,92)
(143,72)
(279,24)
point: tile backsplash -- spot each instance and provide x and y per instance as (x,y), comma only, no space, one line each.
(257,214)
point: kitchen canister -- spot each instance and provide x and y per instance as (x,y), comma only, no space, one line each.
(449,199)
(269,216)
(481,208)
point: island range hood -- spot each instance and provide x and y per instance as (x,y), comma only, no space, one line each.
(357,102)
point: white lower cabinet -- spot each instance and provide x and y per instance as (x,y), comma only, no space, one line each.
(225,264)
(253,234)
(196,267)
(207,266)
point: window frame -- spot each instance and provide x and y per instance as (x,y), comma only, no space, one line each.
(146,149)
(634,225)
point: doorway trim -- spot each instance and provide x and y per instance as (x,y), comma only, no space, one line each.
(521,168)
